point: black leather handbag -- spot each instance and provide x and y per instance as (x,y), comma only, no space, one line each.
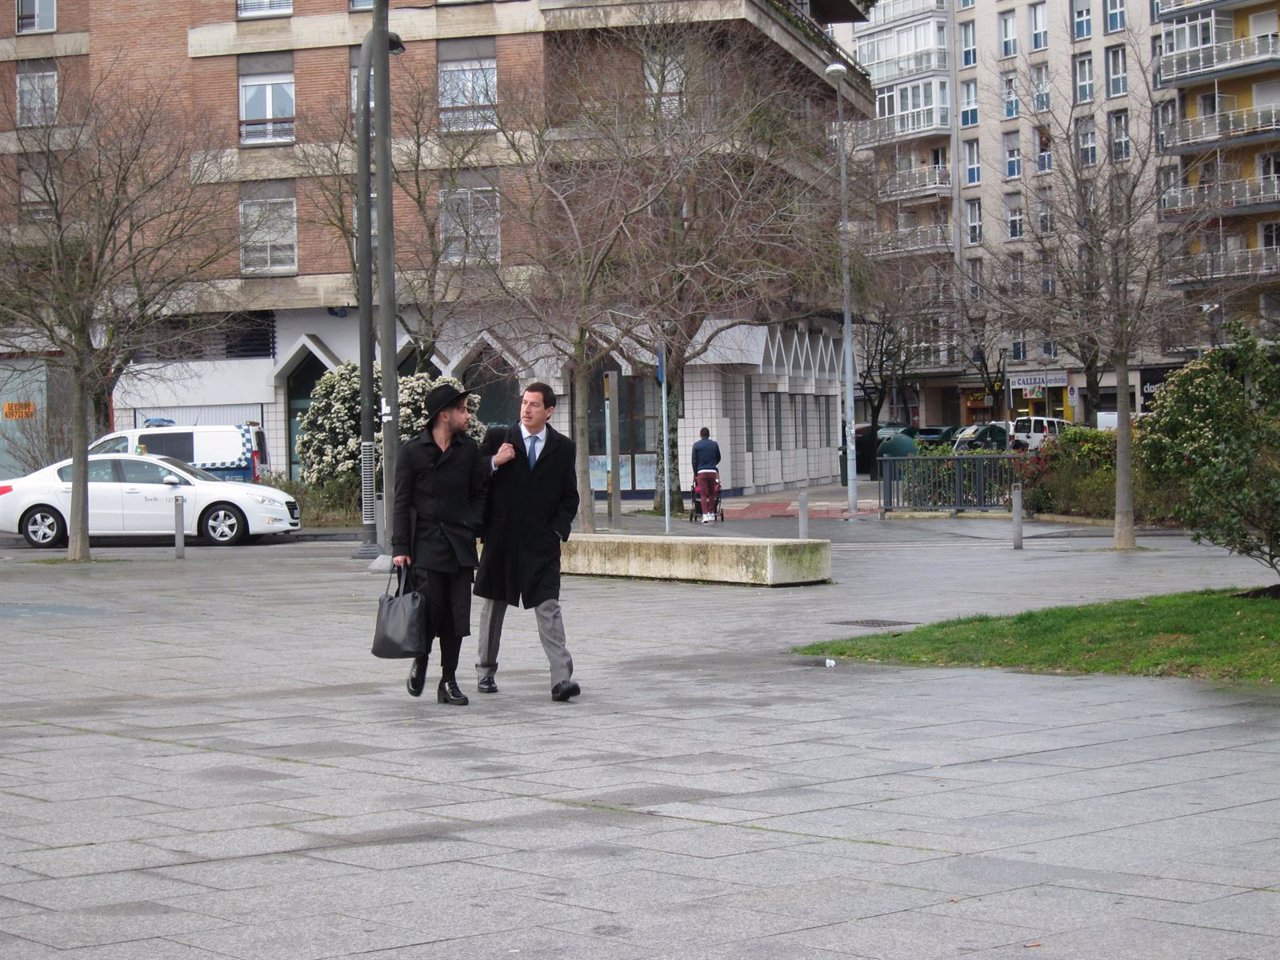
(401,627)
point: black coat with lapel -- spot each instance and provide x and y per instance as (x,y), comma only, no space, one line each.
(446,490)
(528,514)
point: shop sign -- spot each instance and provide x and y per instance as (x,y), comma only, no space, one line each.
(1048,378)
(1151,381)
(19,410)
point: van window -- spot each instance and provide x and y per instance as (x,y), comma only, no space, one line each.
(178,445)
(260,444)
(111,445)
(1022,425)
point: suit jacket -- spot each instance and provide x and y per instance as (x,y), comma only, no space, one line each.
(528,514)
(446,491)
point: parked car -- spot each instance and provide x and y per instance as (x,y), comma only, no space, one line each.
(1030,433)
(228,452)
(982,436)
(934,436)
(134,496)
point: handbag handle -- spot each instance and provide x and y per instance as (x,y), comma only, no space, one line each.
(399,574)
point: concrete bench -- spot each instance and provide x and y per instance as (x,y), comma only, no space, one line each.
(748,560)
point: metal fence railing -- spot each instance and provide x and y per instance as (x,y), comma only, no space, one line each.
(970,482)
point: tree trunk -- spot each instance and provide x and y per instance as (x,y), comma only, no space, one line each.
(581,399)
(675,389)
(78,522)
(1092,393)
(873,440)
(101,422)
(1124,536)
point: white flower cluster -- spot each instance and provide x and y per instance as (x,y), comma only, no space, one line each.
(329,431)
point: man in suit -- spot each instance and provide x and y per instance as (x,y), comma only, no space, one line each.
(533,498)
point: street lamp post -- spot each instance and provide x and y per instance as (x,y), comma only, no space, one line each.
(364,299)
(375,52)
(836,73)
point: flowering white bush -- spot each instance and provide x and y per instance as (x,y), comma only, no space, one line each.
(329,431)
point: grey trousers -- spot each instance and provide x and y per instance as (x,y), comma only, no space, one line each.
(550,633)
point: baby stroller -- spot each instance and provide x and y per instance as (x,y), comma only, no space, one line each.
(695,511)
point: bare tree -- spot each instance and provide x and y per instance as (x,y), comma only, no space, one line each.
(905,324)
(430,159)
(663,200)
(1082,256)
(114,217)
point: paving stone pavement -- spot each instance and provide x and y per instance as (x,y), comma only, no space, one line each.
(200,760)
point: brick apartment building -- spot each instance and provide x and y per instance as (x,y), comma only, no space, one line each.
(262,75)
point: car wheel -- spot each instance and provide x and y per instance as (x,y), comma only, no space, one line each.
(224,525)
(43,527)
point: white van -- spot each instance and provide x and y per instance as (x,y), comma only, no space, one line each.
(1030,433)
(230,452)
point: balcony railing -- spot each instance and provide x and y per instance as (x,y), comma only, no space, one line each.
(931,296)
(921,180)
(913,123)
(922,61)
(1219,196)
(1220,56)
(280,130)
(1220,266)
(1220,126)
(263,8)
(932,237)
(900,9)
(1167,8)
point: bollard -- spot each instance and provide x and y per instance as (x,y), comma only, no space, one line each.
(804,514)
(179,535)
(1016,490)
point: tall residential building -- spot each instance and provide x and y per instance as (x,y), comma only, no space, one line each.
(1222,135)
(263,75)
(974,100)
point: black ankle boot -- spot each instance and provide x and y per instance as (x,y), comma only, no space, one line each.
(417,676)
(448,692)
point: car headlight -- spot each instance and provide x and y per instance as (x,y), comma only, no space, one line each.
(266,501)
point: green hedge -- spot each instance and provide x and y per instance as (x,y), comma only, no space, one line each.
(1075,475)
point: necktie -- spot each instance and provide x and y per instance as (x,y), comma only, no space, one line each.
(533,450)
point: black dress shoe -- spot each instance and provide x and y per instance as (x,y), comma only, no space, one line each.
(448,692)
(565,689)
(487,684)
(417,677)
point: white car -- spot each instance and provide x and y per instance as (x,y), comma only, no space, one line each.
(133,495)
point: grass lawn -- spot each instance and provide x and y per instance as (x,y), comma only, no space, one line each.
(1218,635)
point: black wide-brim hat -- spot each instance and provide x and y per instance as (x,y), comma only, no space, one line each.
(442,398)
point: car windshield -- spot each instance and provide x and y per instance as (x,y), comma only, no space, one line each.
(189,469)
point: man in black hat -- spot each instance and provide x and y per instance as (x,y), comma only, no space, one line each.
(439,503)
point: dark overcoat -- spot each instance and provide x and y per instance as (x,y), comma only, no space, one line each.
(446,490)
(528,514)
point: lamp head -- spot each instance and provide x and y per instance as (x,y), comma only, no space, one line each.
(836,72)
(394,44)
